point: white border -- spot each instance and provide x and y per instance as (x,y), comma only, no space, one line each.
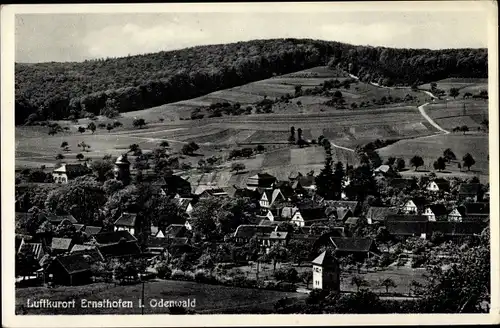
(8,151)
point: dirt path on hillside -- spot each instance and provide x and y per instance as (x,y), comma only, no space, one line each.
(430,120)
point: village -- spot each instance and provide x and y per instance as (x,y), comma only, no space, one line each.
(269,234)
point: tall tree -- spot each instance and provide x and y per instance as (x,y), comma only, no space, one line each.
(468,161)
(416,161)
(325,180)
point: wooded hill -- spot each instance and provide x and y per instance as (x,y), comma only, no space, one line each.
(106,86)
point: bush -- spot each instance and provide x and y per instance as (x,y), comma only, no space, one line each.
(204,276)
(163,270)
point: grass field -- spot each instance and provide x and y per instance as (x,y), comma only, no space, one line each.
(432,147)
(472,85)
(209,298)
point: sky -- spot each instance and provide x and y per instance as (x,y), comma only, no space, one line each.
(76,37)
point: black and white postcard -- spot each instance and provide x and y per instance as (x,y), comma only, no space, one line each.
(287,163)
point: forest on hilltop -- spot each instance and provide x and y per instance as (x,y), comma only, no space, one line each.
(48,91)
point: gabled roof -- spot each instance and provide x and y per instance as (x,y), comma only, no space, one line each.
(120,249)
(73,263)
(443,184)
(469,188)
(87,250)
(126,220)
(405,217)
(294,175)
(278,235)
(214,192)
(343,213)
(325,259)
(155,242)
(73,170)
(57,219)
(438,209)
(92,230)
(477,208)
(175,230)
(266,222)
(263,180)
(247,231)
(113,237)
(79,227)
(344,244)
(406,228)
(160,182)
(34,248)
(352,220)
(287,212)
(243,192)
(312,213)
(61,243)
(122,159)
(342,203)
(400,183)
(380,213)
(457,228)
(184,203)
(383,168)
(420,202)
(305,181)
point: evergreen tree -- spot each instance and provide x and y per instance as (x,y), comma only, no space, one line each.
(325,180)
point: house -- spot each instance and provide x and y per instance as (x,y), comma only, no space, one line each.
(309,215)
(89,251)
(245,232)
(352,221)
(384,171)
(438,185)
(66,172)
(126,221)
(354,206)
(379,214)
(402,184)
(326,272)
(305,182)
(456,229)
(70,270)
(406,217)
(261,180)
(79,227)
(208,192)
(360,248)
(455,216)
(57,219)
(470,191)
(407,228)
(120,249)
(108,238)
(174,245)
(61,245)
(92,230)
(186,205)
(272,238)
(414,206)
(36,249)
(269,198)
(479,211)
(246,193)
(293,176)
(173,231)
(435,211)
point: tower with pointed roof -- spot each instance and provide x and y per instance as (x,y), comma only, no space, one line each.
(326,272)
(122,169)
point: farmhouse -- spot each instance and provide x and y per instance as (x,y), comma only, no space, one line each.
(309,215)
(479,211)
(269,198)
(272,238)
(245,232)
(438,185)
(407,228)
(435,211)
(70,270)
(175,245)
(107,238)
(88,251)
(307,183)
(66,172)
(384,171)
(185,205)
(127,222)
(262,181)
(414,206)
(326,272)
(58,219)
(173,231)
(455,216)
(352,205)
(379,214)
(204,192)
(61,245)
(36,249)
(360,248)
(470,191)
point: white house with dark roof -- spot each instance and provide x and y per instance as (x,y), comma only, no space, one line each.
(66,172)
(438,185)
(326,272)
(127,222)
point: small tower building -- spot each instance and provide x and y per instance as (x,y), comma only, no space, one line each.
(122,169)
(326,272)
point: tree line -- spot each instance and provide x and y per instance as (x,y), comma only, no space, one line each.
(114,85)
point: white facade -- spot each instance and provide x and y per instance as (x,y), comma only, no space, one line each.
(129,229)
(60,177)
(264,202)
(429,214)
(455,216)
(432,186)
(317,277)
(270,215)
(297,219)
(410,207)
